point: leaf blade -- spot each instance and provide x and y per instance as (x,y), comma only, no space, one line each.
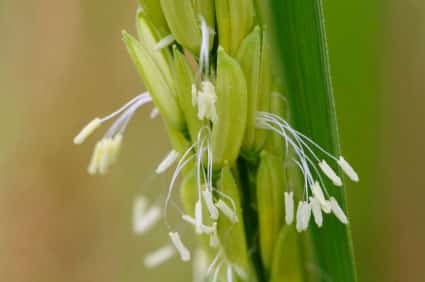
(300,42)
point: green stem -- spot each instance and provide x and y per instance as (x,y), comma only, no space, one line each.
(247,173)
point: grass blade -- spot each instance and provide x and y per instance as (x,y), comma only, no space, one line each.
(301,48)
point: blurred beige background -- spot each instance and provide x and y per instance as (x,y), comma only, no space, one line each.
(62,63)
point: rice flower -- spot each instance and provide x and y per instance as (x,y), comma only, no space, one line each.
(208,71)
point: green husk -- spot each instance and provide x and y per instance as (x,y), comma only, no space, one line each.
(249,57)
(232,100)
(271,185)
(155,81)
(286,257)
(235,19)
(183,23)
(184,79)
(232,235)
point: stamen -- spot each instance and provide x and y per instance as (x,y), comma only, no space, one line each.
(95,123)
(105,154)
(183,251)
(204,228)
(121,123)
(206,99)
(229,273)
(208,197)
(289,207)
(96,157)
(141,97)
(189,219)
(105,158)
(348,169)
(317,212)
(227,211)
(194,95)
(159,257)
(87,131)
(336,209)
(214,240)
(116,147)
(205,47)
(139,208)
(146,221)
(154,113)
(200,265)
(217,271)
(299,225)
(303,216)
(329,172)
(165,42)
(198,217)
(184,160)
(167,162)
(318,193)
(326,207)
(214,262)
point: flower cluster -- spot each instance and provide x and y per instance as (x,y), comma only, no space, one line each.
(207,66)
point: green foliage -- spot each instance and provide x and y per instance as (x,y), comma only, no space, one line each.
(300,38)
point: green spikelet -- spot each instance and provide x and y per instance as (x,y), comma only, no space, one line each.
(228,130)
(270,192)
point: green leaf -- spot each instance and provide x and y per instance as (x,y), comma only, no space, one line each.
(300,39)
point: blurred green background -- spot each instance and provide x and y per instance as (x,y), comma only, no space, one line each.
(62,63)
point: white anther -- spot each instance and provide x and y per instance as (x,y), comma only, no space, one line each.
(139,209)
(206,99)
(116,147)
(159,257)
(336,209)
(97,156)
(198,217)
(180,247)
(227,211)
(154,113)
(204,229)
(200,265)
(105,158)
(317,212)
(105,154)
(205,46)
(194,95)
(212,209)
(318,192)
(229,273)
(167,162)
(189,219)
(330,173)
(348,169)
(326,207)
(289,207)
(145,221)
(214,240)
(87,131)
(303,216)
(165,42)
